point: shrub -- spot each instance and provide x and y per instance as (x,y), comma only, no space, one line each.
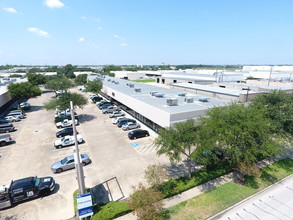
(111,210)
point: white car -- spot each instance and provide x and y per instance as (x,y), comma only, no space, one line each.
(67,141)
(130,125)
(116,114)
(24,105)
(115,120)
(12,118)
(66,123)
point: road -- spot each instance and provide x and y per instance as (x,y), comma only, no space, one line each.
(273,203)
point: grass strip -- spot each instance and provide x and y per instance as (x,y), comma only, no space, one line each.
(222,197)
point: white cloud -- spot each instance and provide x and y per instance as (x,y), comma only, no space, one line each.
(123,45)
(97,20)
(100,28)
(38,32)
(81,39)
(117,36)
(54,3)
(10,10)
(83,17)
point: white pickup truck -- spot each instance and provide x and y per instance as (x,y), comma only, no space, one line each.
(5,139)
(66,123)
(67,141)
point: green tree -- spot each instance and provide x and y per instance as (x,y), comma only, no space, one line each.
(67,71)
(278,107)
(147,203)
(23,90)
(242,133)
(94,86)
(36,79)
(59,84)
(81,79)
(179,140)
(63,101)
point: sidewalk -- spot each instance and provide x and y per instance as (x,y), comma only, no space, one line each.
(174,200)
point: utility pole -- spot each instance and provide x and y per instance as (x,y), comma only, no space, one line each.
(270,76)
(78,167)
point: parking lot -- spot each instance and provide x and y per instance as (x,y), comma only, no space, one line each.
(117,162)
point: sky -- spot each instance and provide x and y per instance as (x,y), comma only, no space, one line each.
(146,32)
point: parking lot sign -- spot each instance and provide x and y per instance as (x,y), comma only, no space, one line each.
(84,205)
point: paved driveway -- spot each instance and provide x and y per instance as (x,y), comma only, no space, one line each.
(116,164)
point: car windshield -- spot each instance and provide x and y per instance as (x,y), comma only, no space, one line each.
(62,139)
(37,181)
(64,161)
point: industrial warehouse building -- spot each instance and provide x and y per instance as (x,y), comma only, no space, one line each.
(154,106)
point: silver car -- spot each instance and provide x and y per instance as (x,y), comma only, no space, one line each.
(130,125)
(12,118)
(116,114)
(68,163)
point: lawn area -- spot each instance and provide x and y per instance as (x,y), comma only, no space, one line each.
(144,80)
(216,200)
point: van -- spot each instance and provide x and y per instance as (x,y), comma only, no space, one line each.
(4,128)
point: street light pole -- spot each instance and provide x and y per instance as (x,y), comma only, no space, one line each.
(78,167)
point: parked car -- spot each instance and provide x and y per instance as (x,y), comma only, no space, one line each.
(116,114)
(5,139)
(18,110)
(24,189)
(65,132)
(105,105)
(130,125)
(6,128)
(67,141)
(92,96)
(68,163)
(19,114)
(13,118)
(25,105)
(66,123)
(115,120)
(97,99)
(138,134)
(3,121)
(100,104)
(110,109)
(124,121)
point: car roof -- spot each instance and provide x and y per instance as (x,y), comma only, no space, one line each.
(72,156)
(22,182)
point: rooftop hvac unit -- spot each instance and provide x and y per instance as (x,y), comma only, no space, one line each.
(188,100)
(116,82)
(113,81)
(203,99)
(153,93)
(131,85)
(159,95)
(182,94)
(109,80)
(172,101)
(137,89)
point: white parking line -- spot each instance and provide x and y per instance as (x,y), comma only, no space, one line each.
(145,148)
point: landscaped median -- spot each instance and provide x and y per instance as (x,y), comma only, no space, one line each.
(209,203)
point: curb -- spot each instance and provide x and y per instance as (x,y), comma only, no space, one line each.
(218,215)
